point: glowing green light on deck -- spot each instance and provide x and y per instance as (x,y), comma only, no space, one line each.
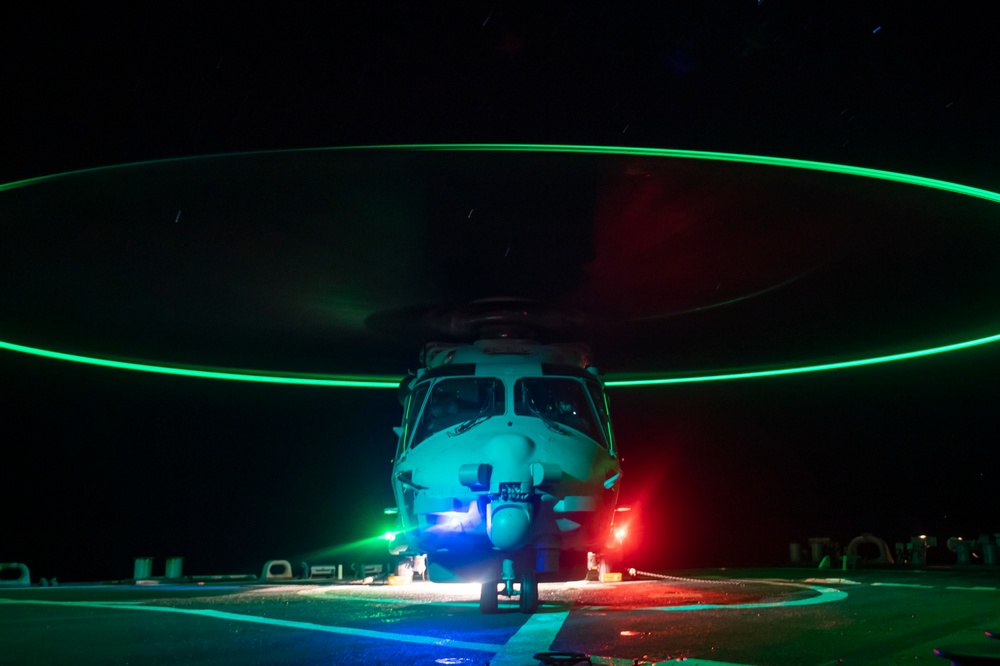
(393,382)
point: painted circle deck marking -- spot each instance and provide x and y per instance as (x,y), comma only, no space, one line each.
(256,619)
(824,595)
(538,632)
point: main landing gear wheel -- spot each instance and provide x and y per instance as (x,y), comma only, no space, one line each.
(488,598)
(529,592)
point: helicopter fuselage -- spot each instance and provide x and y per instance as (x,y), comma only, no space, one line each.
(506,452)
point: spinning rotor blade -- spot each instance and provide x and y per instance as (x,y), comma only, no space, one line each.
(312,262)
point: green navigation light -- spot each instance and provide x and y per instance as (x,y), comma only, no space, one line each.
(362,381)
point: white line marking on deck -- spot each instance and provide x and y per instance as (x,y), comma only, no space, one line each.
(535,635)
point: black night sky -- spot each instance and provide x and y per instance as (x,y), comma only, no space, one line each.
(103,465)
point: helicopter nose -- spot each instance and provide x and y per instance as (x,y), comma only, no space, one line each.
(509,515)
(510,527)
(510,451)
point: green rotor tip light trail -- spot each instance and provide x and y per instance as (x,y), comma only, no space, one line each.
(229,373)
(366,381)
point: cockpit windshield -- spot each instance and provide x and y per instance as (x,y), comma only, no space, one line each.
(460,403)
(559,401)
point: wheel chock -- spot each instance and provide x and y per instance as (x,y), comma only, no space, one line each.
(277,570)
(23,576)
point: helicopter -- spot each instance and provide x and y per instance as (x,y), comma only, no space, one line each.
(525,473)
(506,465)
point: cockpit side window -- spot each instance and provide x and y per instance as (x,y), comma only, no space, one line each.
(413,405)
(558,400)
(460,403)
(603,411)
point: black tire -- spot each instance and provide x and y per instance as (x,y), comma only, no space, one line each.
(488,598)
(529,592)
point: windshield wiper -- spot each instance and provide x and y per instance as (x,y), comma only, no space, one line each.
(468,425)
(549,423)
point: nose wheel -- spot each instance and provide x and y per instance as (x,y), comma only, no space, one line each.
(526,592)
(488,601)
(529,592)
